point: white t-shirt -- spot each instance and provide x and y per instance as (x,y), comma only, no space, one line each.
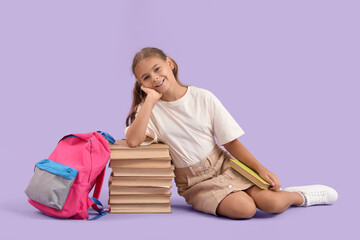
(188,126)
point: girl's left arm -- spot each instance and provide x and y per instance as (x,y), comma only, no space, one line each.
(239,151)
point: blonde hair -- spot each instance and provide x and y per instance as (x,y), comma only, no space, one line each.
(139,95)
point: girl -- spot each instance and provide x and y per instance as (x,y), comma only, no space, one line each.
(187,119)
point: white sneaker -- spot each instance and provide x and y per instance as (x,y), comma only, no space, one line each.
(315,194)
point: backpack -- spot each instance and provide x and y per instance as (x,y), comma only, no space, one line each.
(61,184)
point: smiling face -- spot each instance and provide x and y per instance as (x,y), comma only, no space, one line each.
(155,73)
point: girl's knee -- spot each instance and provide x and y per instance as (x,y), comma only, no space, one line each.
(244,212)
(237,205)
(269,202)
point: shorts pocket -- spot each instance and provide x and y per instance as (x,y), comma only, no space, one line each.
(51,183)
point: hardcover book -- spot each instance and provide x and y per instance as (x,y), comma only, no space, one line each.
(248,173)
(140,208)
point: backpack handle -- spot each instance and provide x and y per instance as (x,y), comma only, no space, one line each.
(107,136)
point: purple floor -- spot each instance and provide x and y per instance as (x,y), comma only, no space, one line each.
(19,220)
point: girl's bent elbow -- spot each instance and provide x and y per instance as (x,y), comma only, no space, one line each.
(132,143)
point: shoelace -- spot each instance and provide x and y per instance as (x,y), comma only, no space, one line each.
(313,198)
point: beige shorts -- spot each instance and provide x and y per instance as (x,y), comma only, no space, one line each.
(205,184)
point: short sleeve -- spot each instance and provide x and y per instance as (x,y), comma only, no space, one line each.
(225,128)
(151,131)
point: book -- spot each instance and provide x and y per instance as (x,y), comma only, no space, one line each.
(138,199)
(121,144)
(116,190)
(143,172)
(140,182)
(129,154)
(140,208)
(248,173)
(140,163)
(120,150)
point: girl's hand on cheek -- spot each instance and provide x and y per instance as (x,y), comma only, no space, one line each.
(151,93)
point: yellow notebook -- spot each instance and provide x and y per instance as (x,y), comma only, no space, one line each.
(248,173)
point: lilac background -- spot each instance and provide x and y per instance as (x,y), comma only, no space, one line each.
(288,72)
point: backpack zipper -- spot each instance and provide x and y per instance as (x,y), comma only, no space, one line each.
(90,160)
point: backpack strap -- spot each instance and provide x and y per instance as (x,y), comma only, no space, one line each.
(96,195)
(99,182)
(101,211)
(98,186)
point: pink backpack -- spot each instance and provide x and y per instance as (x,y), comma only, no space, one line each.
(61,185)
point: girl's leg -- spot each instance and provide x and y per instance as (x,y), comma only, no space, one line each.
(237,205)
(274,202)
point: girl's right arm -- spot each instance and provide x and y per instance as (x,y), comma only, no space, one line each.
(135,134)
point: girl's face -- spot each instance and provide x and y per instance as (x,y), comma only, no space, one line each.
(155,73)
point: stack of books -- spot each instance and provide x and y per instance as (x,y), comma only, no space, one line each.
(141,178)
